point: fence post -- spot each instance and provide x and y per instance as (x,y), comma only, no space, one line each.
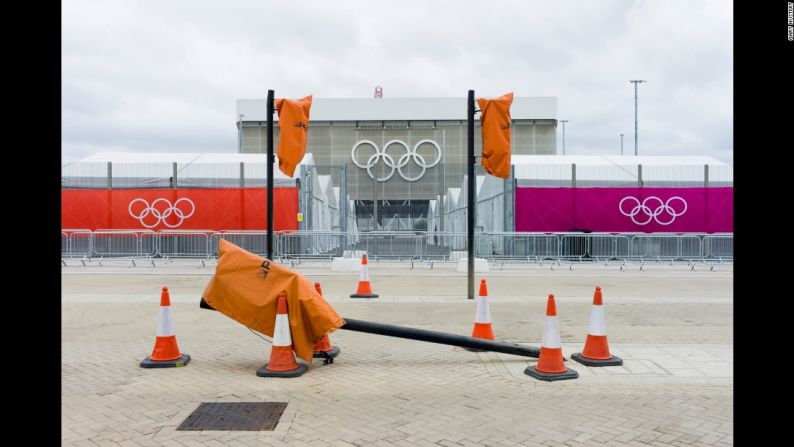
(110,175)
(573,175)
(508,201)
(302,197)
(343,204)
(705,176)
(639,175)
(242,174)
(173,175)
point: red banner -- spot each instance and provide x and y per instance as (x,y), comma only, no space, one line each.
(178,209)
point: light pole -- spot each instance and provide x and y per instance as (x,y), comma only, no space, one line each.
(240,134)
(635,82)
(563,135)
(621,144)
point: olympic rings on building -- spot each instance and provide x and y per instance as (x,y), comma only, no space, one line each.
(388,160)
(161,214)
(652,214)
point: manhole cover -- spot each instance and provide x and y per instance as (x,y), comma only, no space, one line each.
(248,416)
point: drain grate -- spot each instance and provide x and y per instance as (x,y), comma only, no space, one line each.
(244,416)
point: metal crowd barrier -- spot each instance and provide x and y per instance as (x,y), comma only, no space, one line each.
(124,243)
(402,245)
(310,244)
(76,243)
(524,246)
(390,244)
(594,246)
(184,243)
(253,241)
(718,246)
(670,247)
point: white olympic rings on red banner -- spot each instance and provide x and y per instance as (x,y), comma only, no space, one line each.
(652,214)
(162,214)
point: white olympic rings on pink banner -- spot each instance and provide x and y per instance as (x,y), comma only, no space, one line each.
(643,210)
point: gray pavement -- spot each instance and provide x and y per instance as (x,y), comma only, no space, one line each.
(670,324)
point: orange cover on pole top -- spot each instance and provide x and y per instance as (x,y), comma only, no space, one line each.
(293,124)
(495,118)
(245,288)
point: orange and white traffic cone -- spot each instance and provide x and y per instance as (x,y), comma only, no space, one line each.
(282,360)
(166,352)
(323,348)
(551,364)
(596,348)
(482,319)
(364,288)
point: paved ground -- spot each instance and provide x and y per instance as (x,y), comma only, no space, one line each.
(672,326)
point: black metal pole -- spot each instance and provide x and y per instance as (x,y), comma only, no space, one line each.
(410,333)
(271,160)
(439,337)
(470,193)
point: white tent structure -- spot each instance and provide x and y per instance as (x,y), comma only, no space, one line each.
(352,222)
(325,208)
(203,170)
(433,215)
(607,170)
(189,169)
(579,171)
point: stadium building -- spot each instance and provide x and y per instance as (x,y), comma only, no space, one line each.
(388,176)
(398,156)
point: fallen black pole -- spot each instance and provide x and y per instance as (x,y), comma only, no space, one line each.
(391,330)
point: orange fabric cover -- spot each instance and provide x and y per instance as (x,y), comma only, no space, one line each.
(245,288)
(293,124)
(495,118)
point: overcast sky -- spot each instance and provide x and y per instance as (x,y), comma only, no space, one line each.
(163,76)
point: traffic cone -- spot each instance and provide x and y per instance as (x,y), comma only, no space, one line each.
(482,319)
(596,348)
(166,352)
(364,289)
(551,365)
(323,348)
(282,360)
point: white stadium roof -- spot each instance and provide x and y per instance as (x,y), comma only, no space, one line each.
(400,109)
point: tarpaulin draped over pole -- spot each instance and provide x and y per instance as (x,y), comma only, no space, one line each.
(496,122)
(245,288)
(293,125)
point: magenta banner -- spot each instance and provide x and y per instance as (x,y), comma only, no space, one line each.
(644,210)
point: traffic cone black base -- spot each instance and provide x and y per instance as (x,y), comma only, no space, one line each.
(364,295)
(550,377)
(613,361)
(181,361)
(327,354)
(299,371)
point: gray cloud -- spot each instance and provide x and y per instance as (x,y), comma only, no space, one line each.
(164,76)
